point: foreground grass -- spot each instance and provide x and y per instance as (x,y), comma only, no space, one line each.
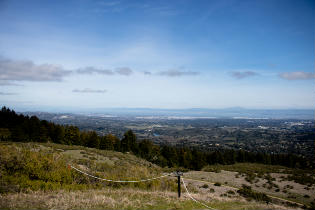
(119,199)
(36,176)
(31,166)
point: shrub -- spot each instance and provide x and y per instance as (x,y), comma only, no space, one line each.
(205,186)
(212,168)
(250,177)
(217,184)
(247,192)
(231,192)
(29,170)
(302,178)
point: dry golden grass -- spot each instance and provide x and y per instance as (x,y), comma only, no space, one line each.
(228,180)
(158,194)
(122,199)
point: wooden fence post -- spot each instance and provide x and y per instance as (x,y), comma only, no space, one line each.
(178,174)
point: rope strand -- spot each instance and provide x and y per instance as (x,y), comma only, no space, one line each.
(189,195)
(142,180)
(119,181)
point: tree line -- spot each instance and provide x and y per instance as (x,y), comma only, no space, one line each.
(20,128)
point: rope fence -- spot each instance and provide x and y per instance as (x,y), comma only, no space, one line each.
(189,195)
(119,181)
(142,180)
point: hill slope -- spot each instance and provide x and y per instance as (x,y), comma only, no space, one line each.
(36,176)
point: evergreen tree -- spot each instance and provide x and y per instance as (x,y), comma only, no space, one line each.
(129,142)
(93,140)
(108,142)
(72,135)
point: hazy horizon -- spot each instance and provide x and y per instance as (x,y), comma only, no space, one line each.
(193,113)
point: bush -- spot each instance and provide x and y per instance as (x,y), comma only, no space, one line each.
(217,184)
(212,190)
(212,168)
(205,186)
(24,169)
(247,192)
(250,177)
(302,178)
(231,192)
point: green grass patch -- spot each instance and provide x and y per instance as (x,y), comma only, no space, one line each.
(43,167)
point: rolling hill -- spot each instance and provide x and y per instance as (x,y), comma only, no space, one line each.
(37,176)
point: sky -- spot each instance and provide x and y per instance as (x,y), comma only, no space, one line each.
(157,54)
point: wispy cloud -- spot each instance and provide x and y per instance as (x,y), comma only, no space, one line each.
(243,74)
(297,75)
(119,6)
(8,83)
(164,11)
(147,73)
(7,94)
(109,3)
(124,71)
(88,90)
(177,73)
(109,7)
(91,70)
(28,71)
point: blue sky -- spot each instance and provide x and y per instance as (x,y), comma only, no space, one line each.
(157,54)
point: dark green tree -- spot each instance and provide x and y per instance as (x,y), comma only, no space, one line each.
(108,142)
(72,135)
(129,142)
(93,140)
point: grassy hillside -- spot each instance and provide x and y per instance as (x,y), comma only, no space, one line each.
(36,176)
(275,181)
(30,166)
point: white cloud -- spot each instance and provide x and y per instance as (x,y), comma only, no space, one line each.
(7,94)
(298,75)
(91,70)
(124,71)
(177,73)
(88,90)
(8,83)
(243,74)
(28,71)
